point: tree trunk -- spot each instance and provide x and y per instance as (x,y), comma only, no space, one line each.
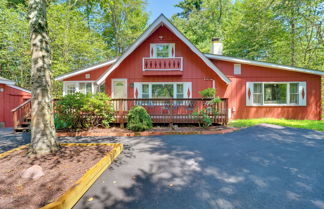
(43,135)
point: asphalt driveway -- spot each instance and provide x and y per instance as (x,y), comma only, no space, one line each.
(258,167)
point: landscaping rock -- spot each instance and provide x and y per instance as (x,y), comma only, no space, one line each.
(34,172)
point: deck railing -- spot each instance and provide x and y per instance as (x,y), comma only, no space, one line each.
(174,63)
(21,112)
(173,110)
(161,110)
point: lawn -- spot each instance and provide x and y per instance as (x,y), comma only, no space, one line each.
(308,124)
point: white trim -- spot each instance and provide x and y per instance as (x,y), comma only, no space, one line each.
(77,86)
(171,46)
(264,64)
(74,73)
(7,82)
(161,20)
(113,88)
(19,88)
(300,103)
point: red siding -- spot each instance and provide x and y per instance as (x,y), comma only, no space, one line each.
(9,99)
(94,75)
(201,76)
(237,88)
(195,70)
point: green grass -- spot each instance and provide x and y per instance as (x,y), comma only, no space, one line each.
(307,124)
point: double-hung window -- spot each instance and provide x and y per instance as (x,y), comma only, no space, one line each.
(275,93)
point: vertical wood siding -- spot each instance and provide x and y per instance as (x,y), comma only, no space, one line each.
(237,88)
(9,99)
(194,69)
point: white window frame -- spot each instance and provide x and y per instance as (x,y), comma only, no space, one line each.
(287,94)
(237,69)
(113,88)
(171,46)
(174,88)
(77,86)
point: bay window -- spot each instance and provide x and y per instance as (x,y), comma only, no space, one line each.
(275,93)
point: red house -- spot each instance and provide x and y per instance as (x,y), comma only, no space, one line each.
(11,96)
(163,63)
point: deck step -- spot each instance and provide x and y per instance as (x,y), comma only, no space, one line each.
(22,129)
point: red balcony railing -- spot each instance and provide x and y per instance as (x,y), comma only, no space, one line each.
(175,63)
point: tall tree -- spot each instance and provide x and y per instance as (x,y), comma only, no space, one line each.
(123,21)
(14,43)
(43,136)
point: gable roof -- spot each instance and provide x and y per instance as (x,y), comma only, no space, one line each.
(84,70)
(264,64)
(161,20)
(6,81)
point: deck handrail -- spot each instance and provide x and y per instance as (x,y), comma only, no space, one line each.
(22,104)
(21,112)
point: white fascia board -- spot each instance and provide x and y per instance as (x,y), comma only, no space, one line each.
(74,73)
(264,64)
(19,88)
(162,20)
(7,82)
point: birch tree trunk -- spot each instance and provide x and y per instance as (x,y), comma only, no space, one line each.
(43,135)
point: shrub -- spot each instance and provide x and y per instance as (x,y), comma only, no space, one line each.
(208,93)
(139,119)
(203,119)
(83,111)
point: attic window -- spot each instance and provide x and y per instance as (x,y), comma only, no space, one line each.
(237,69)
(87,76)
(162,50)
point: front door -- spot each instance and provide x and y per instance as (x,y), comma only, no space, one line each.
(119,91)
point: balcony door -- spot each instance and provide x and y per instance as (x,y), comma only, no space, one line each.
(119,91)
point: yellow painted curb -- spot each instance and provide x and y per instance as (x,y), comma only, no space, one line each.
(13,150)
(72,195)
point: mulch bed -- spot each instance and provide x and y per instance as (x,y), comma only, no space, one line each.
(62,169)
(162,130)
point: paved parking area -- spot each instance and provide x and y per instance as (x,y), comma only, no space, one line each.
(257,167)
(9,139)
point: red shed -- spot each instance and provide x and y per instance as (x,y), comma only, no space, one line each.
(11,96)
(163,64)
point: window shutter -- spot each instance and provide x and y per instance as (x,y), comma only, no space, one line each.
(187,90)
(172,50)
(249,93)
(152,50)
(137,90)
(302,93)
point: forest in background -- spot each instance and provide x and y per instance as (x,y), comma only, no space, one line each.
(85,32)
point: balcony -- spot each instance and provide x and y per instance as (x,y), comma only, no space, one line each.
(162,66)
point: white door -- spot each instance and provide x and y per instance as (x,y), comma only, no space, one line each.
(119,91)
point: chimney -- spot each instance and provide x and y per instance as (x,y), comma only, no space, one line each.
(217,46)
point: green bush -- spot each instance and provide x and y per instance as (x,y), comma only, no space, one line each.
(208,93)
(139,119)
(203,119)
(82,111)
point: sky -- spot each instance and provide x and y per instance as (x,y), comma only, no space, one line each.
(156,7)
